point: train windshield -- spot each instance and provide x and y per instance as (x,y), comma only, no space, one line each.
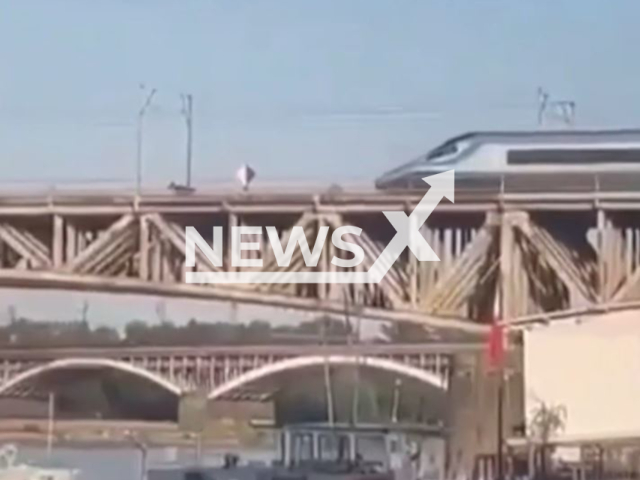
(443,151)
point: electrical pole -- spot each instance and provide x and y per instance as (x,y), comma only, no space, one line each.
(327,377)
(499,365)
(140,124)
(85,311)
(139,444)
(50,423)
(187,111)
(568,112)
(500,426)
(565,110)
(356,372)
(397,385)
(543,99)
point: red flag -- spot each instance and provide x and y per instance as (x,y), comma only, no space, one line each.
(495,343)
(495,346)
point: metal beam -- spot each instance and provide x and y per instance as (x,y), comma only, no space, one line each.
(52,280)
(555,256)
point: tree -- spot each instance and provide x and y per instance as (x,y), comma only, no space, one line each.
(406,332)
(546,421)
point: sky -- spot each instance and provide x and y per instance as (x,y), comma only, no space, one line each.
(298,89)
(327,90)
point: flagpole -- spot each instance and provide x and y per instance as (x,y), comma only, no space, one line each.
(500,386)
(327,377)
(500,459)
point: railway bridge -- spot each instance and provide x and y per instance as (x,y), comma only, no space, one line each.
(144,383)
(223,372)
(442,382)
(544,251)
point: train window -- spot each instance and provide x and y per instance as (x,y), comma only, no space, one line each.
(573,156)
(446,149)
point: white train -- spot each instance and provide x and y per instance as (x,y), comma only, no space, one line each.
(556,160)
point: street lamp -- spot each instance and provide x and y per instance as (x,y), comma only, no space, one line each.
(50,423)
(141,114)
(142,448)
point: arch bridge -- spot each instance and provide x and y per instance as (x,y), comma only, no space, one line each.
(223,372)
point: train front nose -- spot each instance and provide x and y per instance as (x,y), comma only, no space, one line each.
(410,178)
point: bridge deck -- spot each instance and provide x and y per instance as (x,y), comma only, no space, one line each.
(238,351)
(111,203)
(221,370)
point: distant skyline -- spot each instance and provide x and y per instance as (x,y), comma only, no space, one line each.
(69,306)
(328,91)
(116,310)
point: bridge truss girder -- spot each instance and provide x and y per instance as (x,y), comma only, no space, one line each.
(529,260)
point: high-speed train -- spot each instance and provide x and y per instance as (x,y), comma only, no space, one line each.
(530,161)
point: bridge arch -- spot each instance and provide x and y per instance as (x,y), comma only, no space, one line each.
(73,363)
(295,363)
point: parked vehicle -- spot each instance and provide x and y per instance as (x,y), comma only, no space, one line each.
(334,452)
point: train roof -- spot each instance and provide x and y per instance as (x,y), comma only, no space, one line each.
(449,152)
(548,136)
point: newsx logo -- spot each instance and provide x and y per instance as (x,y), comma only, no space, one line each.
(407,235)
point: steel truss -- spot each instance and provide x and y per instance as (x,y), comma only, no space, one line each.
(553,252)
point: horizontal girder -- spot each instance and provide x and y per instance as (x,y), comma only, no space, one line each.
(534,252)
(78,203)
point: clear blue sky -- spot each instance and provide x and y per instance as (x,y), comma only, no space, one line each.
(326,89)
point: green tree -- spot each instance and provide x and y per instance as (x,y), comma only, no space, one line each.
(546,422)
(406,332)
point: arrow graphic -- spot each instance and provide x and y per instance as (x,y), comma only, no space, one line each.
(408,227)
(407,235)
